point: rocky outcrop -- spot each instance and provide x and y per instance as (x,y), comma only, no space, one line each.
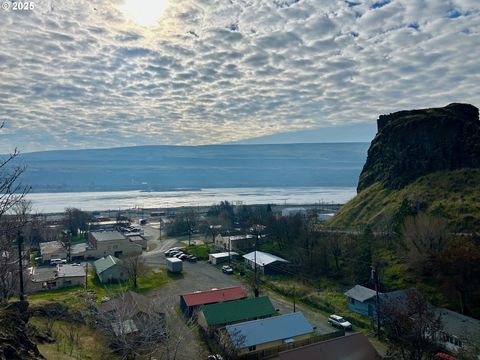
(15,343)
(410,144)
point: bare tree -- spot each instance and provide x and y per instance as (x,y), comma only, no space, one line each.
(11,225)
(424,235)
(191,222)
(134,328)
(410,325)
(175,336)
(76,220)
(136,267)
(11,190)
(231,342)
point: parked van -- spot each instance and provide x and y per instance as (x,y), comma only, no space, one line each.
(57,261)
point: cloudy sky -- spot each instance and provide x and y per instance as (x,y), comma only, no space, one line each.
(81,74)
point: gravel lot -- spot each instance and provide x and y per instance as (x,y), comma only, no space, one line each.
(203,276)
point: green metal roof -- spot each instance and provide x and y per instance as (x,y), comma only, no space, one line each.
(239,310)
(105,263)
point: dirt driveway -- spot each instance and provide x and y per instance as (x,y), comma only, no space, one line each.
(203,276)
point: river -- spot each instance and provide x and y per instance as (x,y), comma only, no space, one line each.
(114,200)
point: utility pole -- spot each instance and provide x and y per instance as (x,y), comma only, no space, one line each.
(294,294)
(160,227)
(229,248)
(255,260)
(374,278)
(20,265)
(86,276)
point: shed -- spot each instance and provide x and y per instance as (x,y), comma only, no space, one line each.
(192,301)
(110,270)
(218,258)
(355,346)
(174,265)
(230,312)
(266,263)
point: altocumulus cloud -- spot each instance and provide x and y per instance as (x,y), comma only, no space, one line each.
(76,74)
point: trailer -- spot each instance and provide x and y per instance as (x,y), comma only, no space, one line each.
(174,265)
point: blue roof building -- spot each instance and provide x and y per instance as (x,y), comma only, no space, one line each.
(263,335)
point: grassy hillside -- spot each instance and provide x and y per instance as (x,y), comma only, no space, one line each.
(454,195)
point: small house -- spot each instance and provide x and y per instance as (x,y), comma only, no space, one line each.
(235,242)
(265,263)
(458,332)
(129,312)
(231,312)
(110,269)
(355,346)
(52,250)
(261,338)
(190,302)
(362,300)
(62,276)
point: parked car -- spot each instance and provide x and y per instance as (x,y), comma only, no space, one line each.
(177,248)
(178,254)
(339,321)
(444,356)
(227,269)
(183,257)
(57,261)
(192,258)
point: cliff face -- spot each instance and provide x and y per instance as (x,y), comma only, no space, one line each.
(410,144)
(14,341)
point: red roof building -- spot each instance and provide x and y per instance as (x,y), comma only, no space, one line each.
(189,302)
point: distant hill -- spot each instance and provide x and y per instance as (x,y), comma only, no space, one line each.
(176,167)
(420,160)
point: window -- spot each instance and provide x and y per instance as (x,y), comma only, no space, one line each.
(67,283)
(252,348)
(115,247)
(352,301)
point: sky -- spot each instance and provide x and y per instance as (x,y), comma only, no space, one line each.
(93,74)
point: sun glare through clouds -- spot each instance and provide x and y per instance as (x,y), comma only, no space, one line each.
(144,12)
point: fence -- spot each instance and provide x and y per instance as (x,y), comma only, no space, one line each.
(275,350)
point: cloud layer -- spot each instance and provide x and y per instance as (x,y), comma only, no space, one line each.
(77,74)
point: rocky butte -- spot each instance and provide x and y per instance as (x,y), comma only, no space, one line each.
(424,160)
(410,144)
